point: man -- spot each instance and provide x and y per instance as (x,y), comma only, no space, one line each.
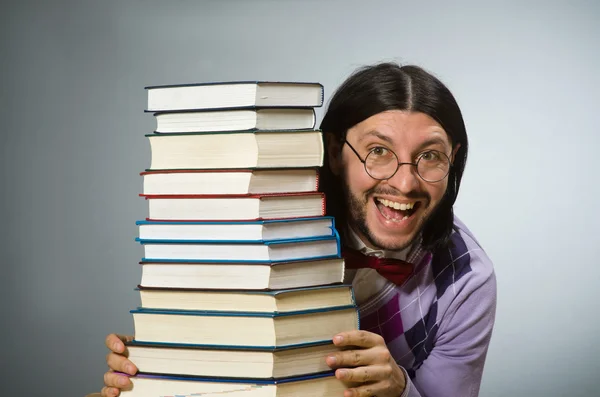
(396,149)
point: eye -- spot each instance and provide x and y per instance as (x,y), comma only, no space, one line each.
(379,151)
(430,155)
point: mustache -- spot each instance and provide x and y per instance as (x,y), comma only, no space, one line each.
(413,195)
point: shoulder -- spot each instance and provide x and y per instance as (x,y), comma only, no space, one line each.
(463,263)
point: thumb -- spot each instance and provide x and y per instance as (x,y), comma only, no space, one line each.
(116,342)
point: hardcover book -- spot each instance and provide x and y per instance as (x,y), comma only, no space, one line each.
(235,208)
(242,275)
(230,181)
(255,231)
(243,329)
(234,94)
(310,248)
(235,150)
(235,120)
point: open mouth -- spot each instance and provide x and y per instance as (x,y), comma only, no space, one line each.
(395,211)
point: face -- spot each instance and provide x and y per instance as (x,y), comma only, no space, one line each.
(376,206)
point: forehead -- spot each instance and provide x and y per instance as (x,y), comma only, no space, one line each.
(399,127)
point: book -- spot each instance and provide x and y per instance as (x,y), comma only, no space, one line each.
(232,251)
(235,208)
(235,120)
(314,385)
(233,94)
(263,230)
(230,181)
(260,149)
(230,363)
(276,301)
(242,275)
(243,329)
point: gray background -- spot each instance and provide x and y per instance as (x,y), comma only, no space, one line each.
(71,111)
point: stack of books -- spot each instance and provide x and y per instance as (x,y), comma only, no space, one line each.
(242,277)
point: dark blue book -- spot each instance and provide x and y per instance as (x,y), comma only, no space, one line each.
(217,362)
(243,329)
(315,385)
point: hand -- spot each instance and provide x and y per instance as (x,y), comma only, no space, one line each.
(366,360)
(117,361)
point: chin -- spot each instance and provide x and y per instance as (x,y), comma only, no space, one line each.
(394,234)
(387,241)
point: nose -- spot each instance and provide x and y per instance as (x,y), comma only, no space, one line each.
(406,179)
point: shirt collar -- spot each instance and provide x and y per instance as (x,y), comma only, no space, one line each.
(355,242)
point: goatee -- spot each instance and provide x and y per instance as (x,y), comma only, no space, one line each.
(357,217)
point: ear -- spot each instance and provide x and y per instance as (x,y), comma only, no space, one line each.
(454,151)
(334,153)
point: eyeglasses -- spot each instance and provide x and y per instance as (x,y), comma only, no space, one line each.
(382,164)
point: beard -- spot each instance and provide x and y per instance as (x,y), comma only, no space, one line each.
(357,215)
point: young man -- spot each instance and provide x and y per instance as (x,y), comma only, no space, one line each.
(396,150)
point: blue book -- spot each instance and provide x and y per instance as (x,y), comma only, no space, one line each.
(317,385)
(243,329)
(231,251)
(251,231)
(235,251)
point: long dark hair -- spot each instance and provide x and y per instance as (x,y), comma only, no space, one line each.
(388,86)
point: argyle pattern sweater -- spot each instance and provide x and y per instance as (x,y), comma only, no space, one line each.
(438,324)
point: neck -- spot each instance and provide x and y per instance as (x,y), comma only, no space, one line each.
(356,238)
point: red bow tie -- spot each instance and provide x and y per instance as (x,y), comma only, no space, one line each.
(395,270)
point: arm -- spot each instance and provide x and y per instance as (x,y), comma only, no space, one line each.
(453,368)
(455,365)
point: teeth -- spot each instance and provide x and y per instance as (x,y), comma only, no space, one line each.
(395,220)
(398,206)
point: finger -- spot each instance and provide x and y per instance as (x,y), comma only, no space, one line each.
(120,381)
(369,373)
(109,392)
(120,363)
(359,357)
(371,390)
(116,342)
(358,338)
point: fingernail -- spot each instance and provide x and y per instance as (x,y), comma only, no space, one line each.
(117,347)
(129,369)
(123,381)
(342,373)
(331,360)
(338,339)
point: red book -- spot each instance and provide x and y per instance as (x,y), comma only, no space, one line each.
(230,181)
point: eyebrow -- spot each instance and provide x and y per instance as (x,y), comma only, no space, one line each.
(433,141)
(377,134)
(430,142)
